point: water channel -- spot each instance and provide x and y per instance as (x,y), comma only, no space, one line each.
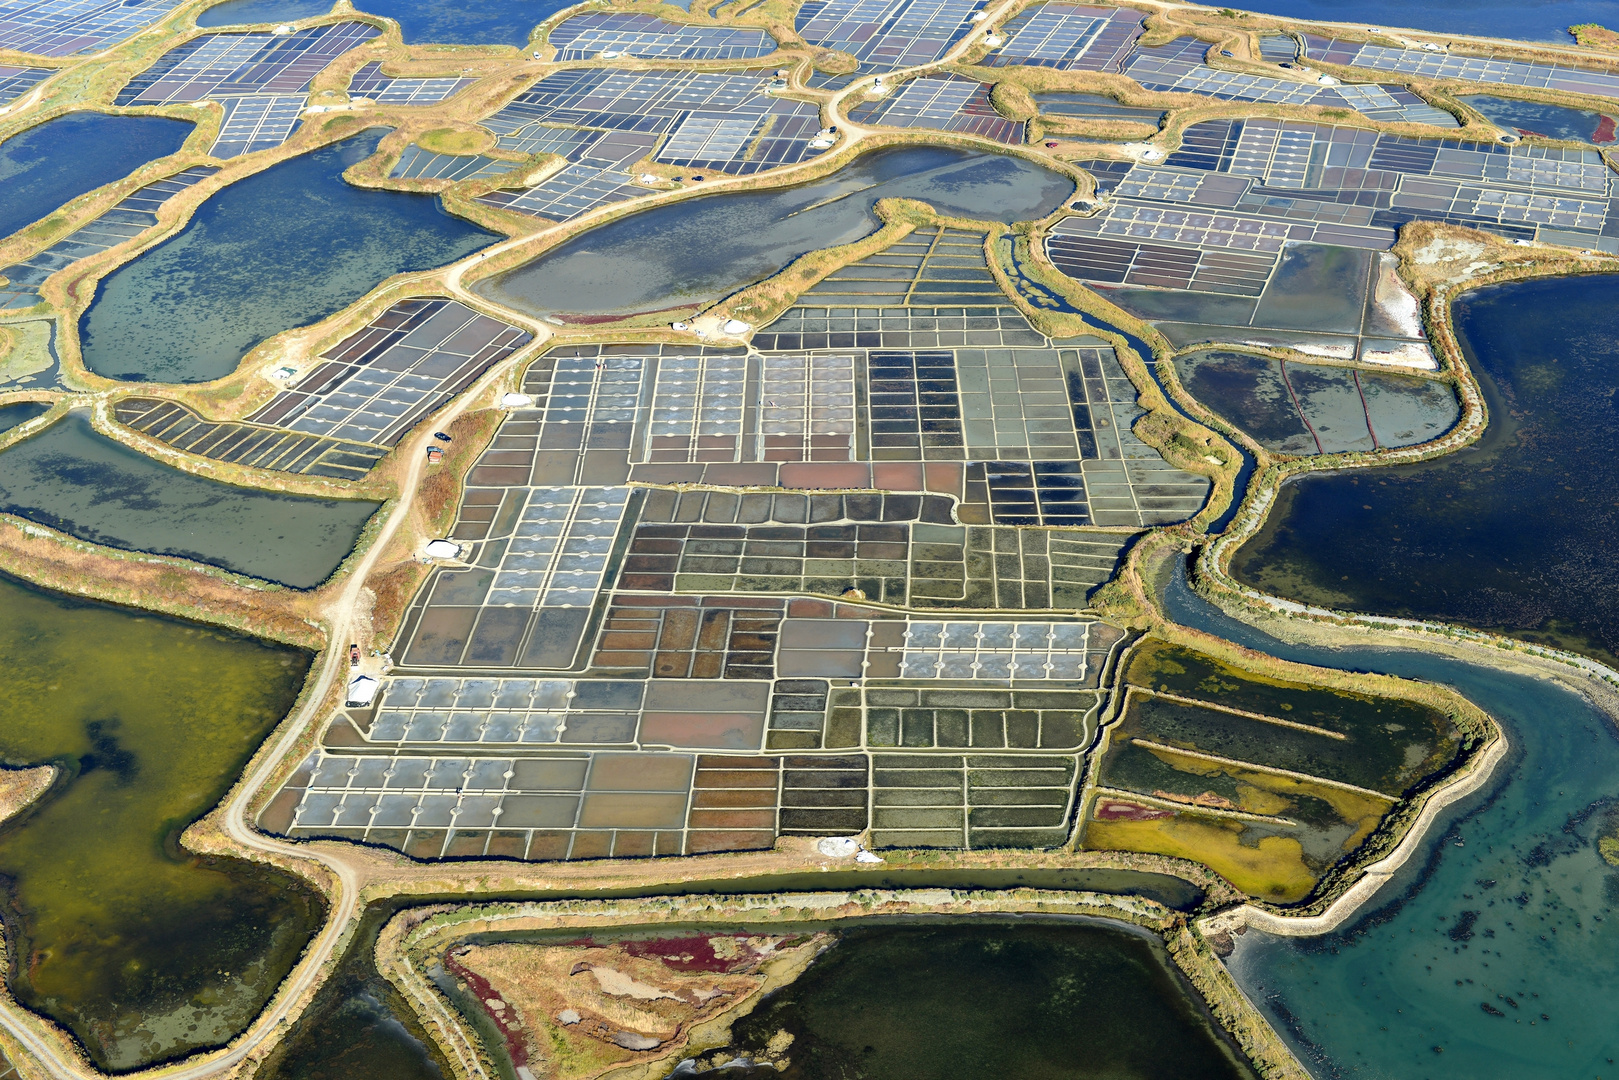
(279,249)
(141,949)
(480,22)
(702,249)
(1513,533)
(75,479)
(53,163)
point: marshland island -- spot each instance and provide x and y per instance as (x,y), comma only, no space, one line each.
(836,539)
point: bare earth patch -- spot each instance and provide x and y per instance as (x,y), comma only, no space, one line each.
(20,787)
(584,1009)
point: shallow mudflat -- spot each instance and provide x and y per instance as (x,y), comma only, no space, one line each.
(73,479)
(142,951)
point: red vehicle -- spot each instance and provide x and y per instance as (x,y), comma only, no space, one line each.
(434,455)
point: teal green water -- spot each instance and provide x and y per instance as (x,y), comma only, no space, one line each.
(140,949)
(1495,954)
(282,248)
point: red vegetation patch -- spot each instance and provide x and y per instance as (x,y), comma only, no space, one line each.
(692,953)
(1114,810)
(480,988)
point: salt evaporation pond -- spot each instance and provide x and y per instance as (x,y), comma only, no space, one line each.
(700,250)
(142,950)
(239,12)
(282,248)
(74,479)
(53,163)
(1548,121)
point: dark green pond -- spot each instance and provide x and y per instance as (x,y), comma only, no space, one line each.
(357,1027)
(143,951)
(1018,1000)
(282,248)
(1514,533)
(74,479)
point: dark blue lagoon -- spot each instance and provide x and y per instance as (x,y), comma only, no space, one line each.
(57,161)
(469,22)
(702,249)
(283,248)
(1496,954)
(74,479)
(1547,20)
(1513,533)
(20,413)
(239,12)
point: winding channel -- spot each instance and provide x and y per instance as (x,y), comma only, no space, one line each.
(1511,901)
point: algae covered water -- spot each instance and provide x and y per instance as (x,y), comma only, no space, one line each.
(140,949)
(1013,1000)
(1495,953)
(1514,533)
(282,248)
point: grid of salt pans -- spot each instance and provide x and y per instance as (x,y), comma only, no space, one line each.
(559,548)
(994,650)
(803,395)
(699,395)
(65,27)
(256,122)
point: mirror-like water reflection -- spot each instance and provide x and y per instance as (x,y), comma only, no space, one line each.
(702,249)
